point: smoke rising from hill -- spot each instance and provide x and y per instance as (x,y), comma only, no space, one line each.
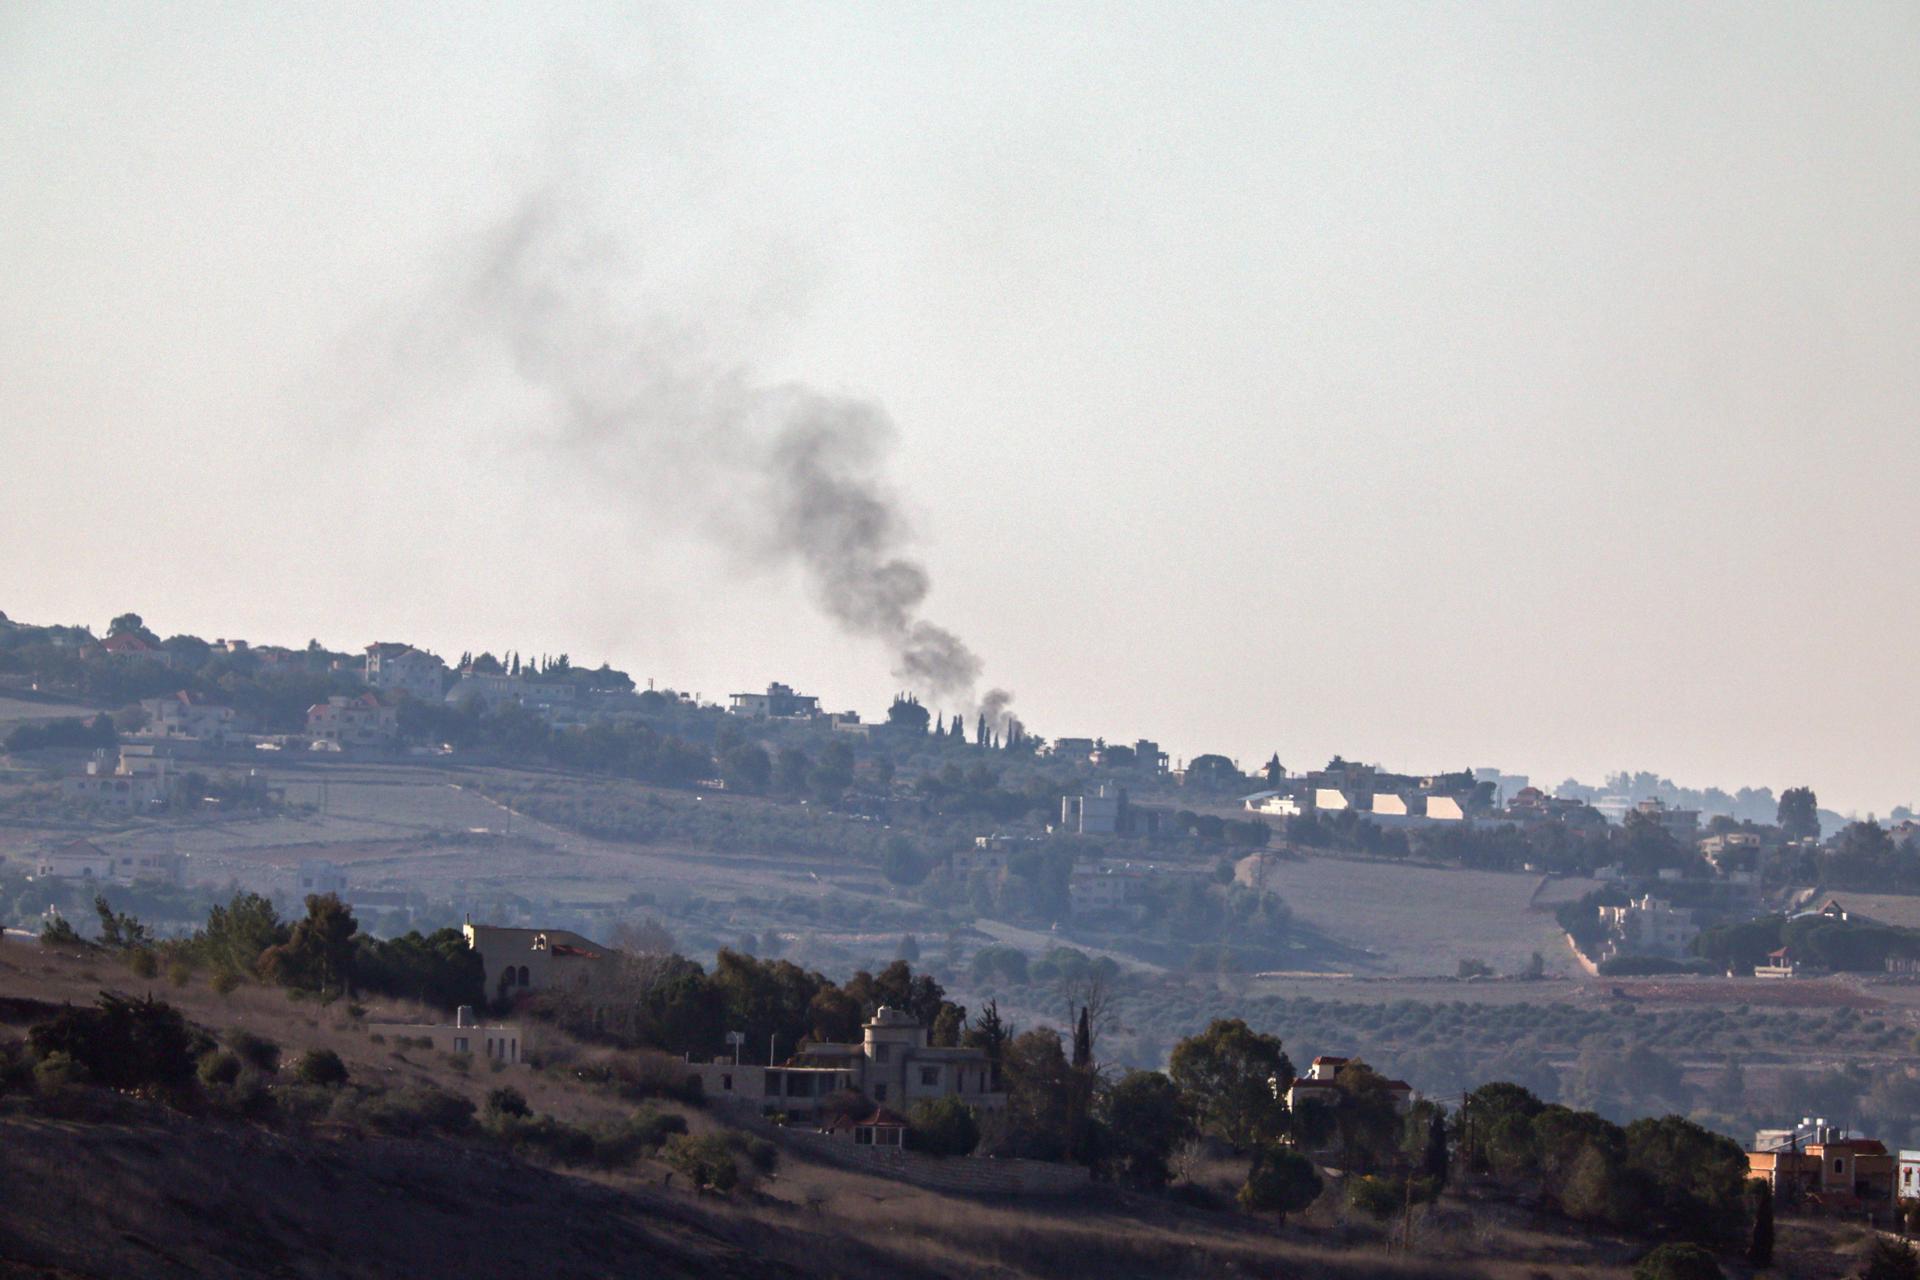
(779,474)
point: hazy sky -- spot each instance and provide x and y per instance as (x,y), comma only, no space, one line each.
(1443,385)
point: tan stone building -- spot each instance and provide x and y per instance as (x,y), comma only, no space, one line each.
(893,1065)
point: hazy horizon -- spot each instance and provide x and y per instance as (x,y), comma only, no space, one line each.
(1526,386)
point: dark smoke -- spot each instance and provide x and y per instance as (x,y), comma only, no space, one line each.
(781,474)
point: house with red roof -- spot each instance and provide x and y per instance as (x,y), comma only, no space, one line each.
(131,645)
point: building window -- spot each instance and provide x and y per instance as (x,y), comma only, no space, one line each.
(881,1052)
(726,1083)
(879,1093)
(460,1044)
(930,1077)
(1839,1166)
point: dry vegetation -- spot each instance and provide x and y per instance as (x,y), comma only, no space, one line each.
(151,1192)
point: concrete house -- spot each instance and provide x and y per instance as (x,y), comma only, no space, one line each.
(137,648)
(1647,926)
(84,860)
(892,1065)
(1824,1164)
(518,961)
(401,668)
(189,717)
(779,702)
(347,722)
(136,779)
(501,1042)
(1321,1085)
(1095,814)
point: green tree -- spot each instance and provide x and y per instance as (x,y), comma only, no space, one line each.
(237,934)
(119,932)
(121,1043)
(318,954)
(1799,814)
(1234,1078)
(1280,1182)
(1677,1262)
(1149,1119)
(942,1127)
(320,1067)
(902,863)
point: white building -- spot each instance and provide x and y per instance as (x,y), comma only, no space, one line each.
(353,722)
(501,1042)
(136,779)
(1097,814)
(84,860)
(1647,926)
(401,668)
(189,717)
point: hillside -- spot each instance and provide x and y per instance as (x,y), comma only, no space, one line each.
(100,1184)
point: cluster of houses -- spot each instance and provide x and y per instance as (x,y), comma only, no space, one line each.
(84,861)
(1824,1168)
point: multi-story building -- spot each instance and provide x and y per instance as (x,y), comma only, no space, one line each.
(1647,926)
(186,716)
(135,779)
(401,668)
(893,1065)
(779,702)
(1321,1085)
(1822,1162)
(349,722)
(518,961)
(1095,814)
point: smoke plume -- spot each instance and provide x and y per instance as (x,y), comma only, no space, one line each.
(780,474)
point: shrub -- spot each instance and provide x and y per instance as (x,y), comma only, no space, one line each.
(1677,1262)
(1887,1260)
(221,1067)
(143,962)
(225,981)
(644,1132)
(257,1052)
(705,1162)
(943,1127)
(507,1101)
(543,1134)
(1376,1197)
(1280,1182)
(411,1113)
(121,1043)
(321,1067)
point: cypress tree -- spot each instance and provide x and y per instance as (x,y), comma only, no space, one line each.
(1083,1041)
(1760,1251)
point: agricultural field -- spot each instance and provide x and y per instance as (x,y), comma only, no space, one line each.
(1381,917)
